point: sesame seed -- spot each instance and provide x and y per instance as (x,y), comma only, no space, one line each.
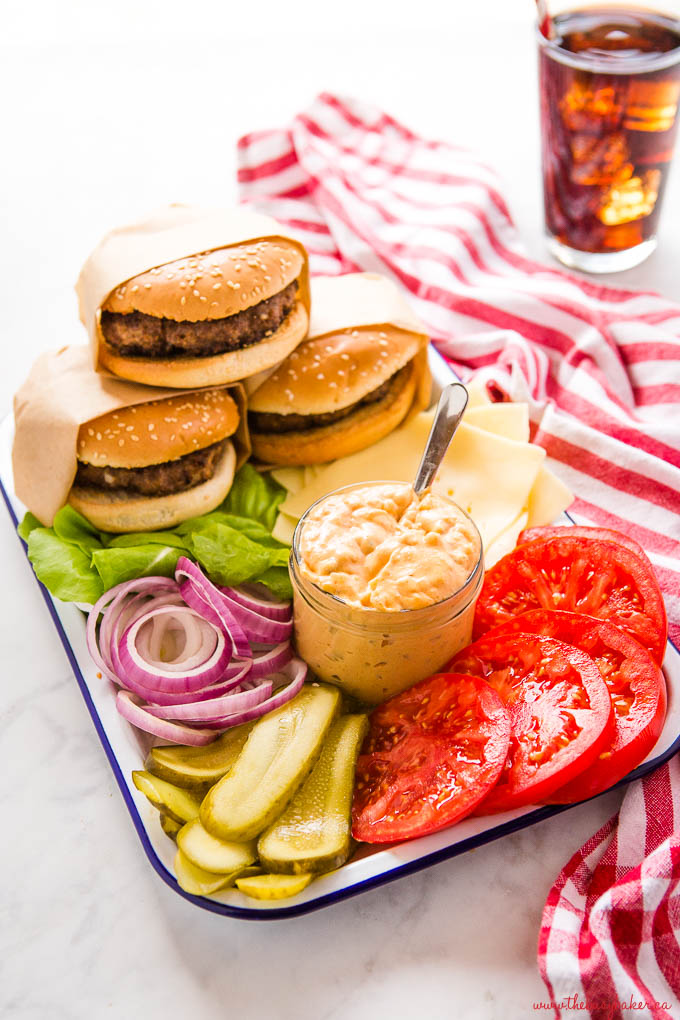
(135,289)
(321,376)
(121,442)
(151,427)
(196,293)
(90,432)
(135,439)
(217,286)
(183,299)
(147,286)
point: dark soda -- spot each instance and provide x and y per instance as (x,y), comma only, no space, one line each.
(608,125)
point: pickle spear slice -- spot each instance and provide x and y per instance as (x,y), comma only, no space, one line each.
(196,767)
(180,805)
(278,754)
(272,887)
(198,881)
(212,854)
(314,832)
(169,826)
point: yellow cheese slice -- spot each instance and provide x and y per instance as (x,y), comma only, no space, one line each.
(509,420)
(291,478)
(284,528)
(489,475)
(506,541)
(547,499)
(477,395)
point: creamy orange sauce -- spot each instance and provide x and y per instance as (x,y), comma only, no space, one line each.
(383,547)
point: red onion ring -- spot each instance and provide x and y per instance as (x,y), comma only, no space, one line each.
(189,651)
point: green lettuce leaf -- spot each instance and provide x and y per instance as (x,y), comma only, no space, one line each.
(64,569)
(151,560)
(254,495)
(70,526)
(29,524)
(277,579)
(232,544)
(229,557)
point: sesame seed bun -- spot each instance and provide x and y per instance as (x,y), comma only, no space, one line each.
(211,285)
(213,370)
(160,431)
(361,428)
(121,513)
(330,372)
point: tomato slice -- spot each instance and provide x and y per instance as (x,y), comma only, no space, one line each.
(636,686)
(580,575)
(582,531)
(560,711)
(431,755)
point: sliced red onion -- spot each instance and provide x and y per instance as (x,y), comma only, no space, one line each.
(297,673)
(207,600)
(259,627)
(186,650)
(229,682)
(191,679)
(215,708)
(271,610)
(271,661)
(131,709)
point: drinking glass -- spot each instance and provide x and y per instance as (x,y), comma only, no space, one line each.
(609,91)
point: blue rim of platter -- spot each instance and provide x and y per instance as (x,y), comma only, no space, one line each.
(305,907)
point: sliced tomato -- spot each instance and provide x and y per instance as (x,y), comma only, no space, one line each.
(560,711)
(602,534)
(431,755)
(580,575)
(635,683)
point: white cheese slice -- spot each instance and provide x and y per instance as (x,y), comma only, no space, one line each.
(509,420)
(489,475)
(547,499)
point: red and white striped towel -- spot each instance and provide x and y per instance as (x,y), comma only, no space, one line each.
(600,369)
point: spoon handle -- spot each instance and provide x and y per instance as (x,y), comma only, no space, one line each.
(452,403)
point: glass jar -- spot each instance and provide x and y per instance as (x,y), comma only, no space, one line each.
(373,654)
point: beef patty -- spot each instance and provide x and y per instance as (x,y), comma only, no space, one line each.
(259,421)
(147,336)
(157,479)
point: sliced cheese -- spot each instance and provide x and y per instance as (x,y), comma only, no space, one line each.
(477,395)
(547,499)
(489,475)
(291,478)
(509,420)
(506,541)
(284,528)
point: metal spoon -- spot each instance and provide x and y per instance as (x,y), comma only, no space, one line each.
(452,403)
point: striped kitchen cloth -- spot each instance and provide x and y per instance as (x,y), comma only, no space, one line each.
(600,369)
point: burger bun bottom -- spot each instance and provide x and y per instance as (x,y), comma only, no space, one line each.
(361,428)
(122,512)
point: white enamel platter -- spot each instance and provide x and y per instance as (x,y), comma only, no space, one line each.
(126,749)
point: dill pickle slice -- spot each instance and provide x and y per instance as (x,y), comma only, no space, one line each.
(195,768)
(169,826)
(181,805)
(278,755)
(272,887)
(212,854)
(198,881)
(314,832)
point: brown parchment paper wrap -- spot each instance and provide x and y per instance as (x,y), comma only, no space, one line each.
(369,301)
(60,394)
(174,232)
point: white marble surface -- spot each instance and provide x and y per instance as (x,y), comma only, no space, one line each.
(110,109)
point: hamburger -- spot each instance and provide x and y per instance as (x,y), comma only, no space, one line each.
(155,464)
(207,319)
(337,394)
